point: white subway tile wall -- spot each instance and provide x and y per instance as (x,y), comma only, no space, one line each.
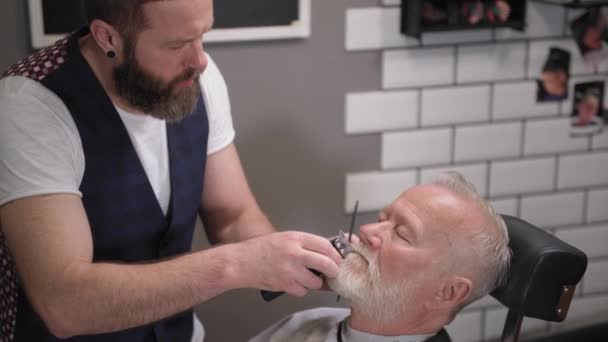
(416,148)
(590,239)
(522,176)
(600,140)
(596,277)
(378,111)
(466,101)
(418,67)
(374,190)
(551,136)
(490,141)
(374,28)
(597,205)
(556,209)
(491,62)
(447,106)
(581,170)
(518,100)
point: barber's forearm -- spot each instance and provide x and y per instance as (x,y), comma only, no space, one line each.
(104,297)
(222,228)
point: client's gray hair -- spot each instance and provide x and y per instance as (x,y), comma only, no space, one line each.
(490,243)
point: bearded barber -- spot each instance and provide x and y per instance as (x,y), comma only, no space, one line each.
(112,142)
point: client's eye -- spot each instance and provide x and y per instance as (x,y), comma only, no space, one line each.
(401,235)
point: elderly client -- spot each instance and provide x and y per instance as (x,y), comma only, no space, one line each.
(435,249)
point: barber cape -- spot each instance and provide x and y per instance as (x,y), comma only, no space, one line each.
(325,324)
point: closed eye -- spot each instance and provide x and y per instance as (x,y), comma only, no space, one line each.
(401,235)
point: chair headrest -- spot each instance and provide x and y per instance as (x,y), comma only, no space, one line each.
(543,274)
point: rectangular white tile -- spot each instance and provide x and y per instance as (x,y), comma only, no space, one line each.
(378,111)
(495,321)
(539,51)
(518,100)
(456,37)
(590,239)
(375,28)
(476,174)
(551,136)
(584,312)
(465,327)
(418,67)
(596,277)
(491,62)
(583,170)
(455,105)
(548,211)
(597,205)
(492,141)
(600,140)
(416,148)
(522,176)
(543,20)
(374,190)
(506,206)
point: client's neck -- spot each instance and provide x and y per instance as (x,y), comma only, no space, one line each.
(419,322)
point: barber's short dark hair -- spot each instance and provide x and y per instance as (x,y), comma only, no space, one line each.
(124,15)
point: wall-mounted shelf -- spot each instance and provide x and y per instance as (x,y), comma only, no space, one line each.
(576,3)
(413,23)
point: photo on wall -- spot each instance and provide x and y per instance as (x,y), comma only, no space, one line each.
(589,30)
(553,83)
(588,108)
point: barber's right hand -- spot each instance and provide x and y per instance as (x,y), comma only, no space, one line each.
(282,262)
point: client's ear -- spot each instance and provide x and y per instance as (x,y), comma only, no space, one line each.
(453,291)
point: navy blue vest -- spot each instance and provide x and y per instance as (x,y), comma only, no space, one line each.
(127,223)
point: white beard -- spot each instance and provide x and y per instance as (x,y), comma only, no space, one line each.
(359,280)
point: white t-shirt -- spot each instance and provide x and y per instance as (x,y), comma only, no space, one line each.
(41,151)
(321,325)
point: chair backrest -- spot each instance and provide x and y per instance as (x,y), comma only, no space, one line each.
(8,293)
(543,276)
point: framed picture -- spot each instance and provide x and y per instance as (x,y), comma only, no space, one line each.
(235,20)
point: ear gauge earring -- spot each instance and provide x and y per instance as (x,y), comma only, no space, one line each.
(111,54)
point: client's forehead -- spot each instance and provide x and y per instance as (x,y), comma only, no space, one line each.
(430,207)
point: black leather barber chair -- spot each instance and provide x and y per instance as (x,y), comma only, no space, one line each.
(543,275)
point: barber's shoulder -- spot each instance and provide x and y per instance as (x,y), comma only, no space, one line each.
(20,89)
(30,106)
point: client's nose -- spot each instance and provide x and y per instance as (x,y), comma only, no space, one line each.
(370,235)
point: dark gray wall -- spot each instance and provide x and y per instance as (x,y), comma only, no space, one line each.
(288,108)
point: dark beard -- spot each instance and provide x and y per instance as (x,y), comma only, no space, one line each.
(150,95)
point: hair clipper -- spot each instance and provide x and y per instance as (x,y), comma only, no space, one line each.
(340,243)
